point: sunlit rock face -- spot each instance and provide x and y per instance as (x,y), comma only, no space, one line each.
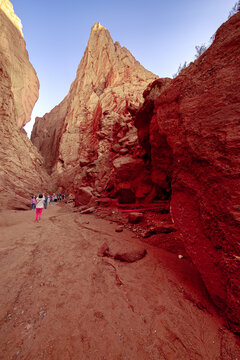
(24,81)
(82,136)
(7,8)
(21,170)
(192,135)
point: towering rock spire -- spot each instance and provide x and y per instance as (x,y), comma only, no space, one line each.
(92,118)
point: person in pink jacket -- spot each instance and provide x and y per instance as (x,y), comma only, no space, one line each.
(39,206)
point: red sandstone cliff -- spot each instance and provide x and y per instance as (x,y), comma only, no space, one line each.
(21,171)
(192,135)
(89,138)
(189,137)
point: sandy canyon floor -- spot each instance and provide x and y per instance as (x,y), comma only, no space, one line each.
(61,300)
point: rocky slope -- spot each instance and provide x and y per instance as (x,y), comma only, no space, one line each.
(21,171)
(89,138)
(192,136)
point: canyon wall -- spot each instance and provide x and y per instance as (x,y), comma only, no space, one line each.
(89,139)
(184,146)
(21,170)
(191,133)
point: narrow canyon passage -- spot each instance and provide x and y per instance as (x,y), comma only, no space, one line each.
(61,300)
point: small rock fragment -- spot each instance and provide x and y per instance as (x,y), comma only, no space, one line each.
(124,151)
(88,211)
(119,228)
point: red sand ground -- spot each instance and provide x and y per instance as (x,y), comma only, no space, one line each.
(60,300)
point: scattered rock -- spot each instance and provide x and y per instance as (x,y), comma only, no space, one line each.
(84,196)
(88,211)
(123,151)
(80,208)
(135,217)
(151,231)
(116,148)
(130,256)
(119,228)
(104,201)
(168,228)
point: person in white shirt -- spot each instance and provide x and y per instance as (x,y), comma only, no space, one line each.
(39,206)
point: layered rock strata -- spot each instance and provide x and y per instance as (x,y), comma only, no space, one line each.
(89,139)
(192,135)
(21,170)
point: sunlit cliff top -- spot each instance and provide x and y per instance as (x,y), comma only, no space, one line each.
(7,8)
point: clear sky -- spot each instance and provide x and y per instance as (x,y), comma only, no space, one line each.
(160,34)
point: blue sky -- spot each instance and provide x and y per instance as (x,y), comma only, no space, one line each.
(160,34)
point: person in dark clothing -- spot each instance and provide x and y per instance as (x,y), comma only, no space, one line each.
(45,202)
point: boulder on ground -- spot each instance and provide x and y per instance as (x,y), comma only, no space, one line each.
(84,196)
(119,228)
(135,217)
(131,256)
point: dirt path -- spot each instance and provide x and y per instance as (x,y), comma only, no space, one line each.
(60,300)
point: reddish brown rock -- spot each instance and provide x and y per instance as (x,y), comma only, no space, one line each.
(131,256)
(119,228)
(91,128)
(135,217)
(193,143)
(84,196)
(21,166)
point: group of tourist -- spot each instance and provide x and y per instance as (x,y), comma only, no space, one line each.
(41,201)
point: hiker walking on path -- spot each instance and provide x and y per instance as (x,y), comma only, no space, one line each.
(45,202)
(33,202)
(39,206)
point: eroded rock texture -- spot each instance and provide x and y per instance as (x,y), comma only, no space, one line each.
(89,139)
(192,136)
(21,172)
(24,81)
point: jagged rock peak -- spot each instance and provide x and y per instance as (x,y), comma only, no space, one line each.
(7,8)
(108,62)
(98,26)
(93,116)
